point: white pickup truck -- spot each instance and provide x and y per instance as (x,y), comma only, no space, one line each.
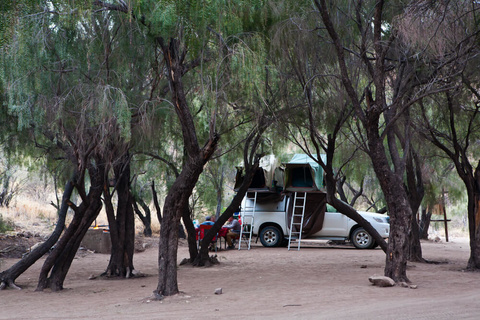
(272,223)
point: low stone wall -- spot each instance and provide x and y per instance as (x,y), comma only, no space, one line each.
(97,240)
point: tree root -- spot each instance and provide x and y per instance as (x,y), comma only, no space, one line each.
(116,275)
(212,260)
(435,262)
(157,296)
(10,284)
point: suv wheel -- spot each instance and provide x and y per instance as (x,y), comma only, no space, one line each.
(271,237)
(361,239)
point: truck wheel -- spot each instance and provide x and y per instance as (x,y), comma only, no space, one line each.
(361,239)
(270,237)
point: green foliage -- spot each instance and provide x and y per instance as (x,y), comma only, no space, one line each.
(192,21)
(10,11)
(113,99)
(70,71)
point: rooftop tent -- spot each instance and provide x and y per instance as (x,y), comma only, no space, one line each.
(264,175)
(303,173)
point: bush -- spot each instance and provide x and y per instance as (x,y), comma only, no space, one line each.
(5,225)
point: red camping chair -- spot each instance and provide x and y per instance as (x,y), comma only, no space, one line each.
(201,233)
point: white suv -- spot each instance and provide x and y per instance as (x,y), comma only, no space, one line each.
(271,224)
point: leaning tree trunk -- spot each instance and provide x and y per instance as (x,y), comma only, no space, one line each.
(203,258)
(67,249)
(122,226)
(251,162)
(7,277)
(341,206)
(57,264)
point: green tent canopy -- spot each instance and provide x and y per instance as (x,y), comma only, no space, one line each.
(302,173)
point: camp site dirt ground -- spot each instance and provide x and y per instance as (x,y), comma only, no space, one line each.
(320,281)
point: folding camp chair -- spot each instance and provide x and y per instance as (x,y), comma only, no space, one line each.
(201,232)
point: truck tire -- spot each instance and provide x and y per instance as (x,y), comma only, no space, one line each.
(271,237)
(361,239)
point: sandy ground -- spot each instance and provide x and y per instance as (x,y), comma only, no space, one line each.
(320,281)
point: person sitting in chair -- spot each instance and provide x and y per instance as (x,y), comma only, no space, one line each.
(233,232)
(209,221)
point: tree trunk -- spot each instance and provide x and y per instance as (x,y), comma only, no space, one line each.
(397,202)
(390,180)
(122,226)
(473,191)
(251,162)
(191,233)
(156,204)
(174,207)
(178,195)
(7,277)
(203,257)
(167,252)
(181,232)
(219,193)
(66,253)
(414,247)
(400,215)
(147,218)
(342,206)
(425,223)
(415,196)
(60,259)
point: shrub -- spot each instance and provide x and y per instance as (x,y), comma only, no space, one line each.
(5,225)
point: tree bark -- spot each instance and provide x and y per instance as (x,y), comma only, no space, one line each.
(147,218)
(175,203)
(398,207)
(473,191)
(122,226)
(425,223)
(458,152)
(156,204)
(340,205)
(414,247)
(251,162)
(416,192)
(219,192)
(203,258)
(7,277)
(390,180)
(57,264)
(178,195)
(191,233)
(67,252)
